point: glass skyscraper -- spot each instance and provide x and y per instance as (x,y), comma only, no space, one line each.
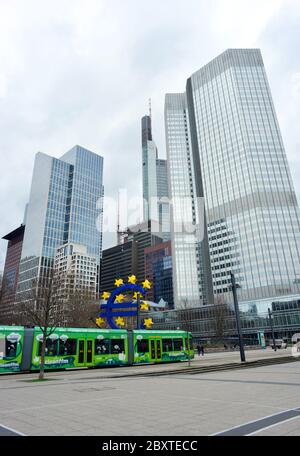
(158,269)
(65,206)
(252,212)
(155,182)
(191,269)
(149,157)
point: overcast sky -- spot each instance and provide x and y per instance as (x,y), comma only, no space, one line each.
(82,71)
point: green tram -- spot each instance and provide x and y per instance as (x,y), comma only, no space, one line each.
(69,348)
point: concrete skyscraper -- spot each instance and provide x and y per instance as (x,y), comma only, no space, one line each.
(252,212)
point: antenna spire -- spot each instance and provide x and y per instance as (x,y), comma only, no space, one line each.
(118,223)
(150,109)
(121,234)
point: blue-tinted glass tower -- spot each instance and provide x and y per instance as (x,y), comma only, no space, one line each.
(65,205)
(224,144)
(155,182)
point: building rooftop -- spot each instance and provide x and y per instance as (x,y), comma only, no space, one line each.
(15,233)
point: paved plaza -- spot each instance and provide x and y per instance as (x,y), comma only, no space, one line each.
(91,403)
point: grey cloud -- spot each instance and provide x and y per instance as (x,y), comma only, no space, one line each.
(82,72)
(280,43)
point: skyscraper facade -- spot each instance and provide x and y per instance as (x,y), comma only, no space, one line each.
(149,157)
(191,269)
(65,206)
(117,262)
(11,274)
(127,258)
(144,237)
(252,212)
(155,182)
(158,270)
(78,268)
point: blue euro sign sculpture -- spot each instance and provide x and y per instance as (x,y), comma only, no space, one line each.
(112,310)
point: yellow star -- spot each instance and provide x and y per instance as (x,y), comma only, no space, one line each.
(105,295)
(120,321)
(148,322)
(120,298)
(146,284)
(100,321)
(136,294)
(119,282)
(144,306)
(132,279)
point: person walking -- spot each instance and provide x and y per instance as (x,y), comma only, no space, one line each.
(199,350)
(202,350)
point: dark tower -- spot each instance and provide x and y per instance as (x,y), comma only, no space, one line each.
(146,130)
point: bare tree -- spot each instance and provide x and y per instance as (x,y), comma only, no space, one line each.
(220,314)
(78,300)
(219,319)
(6,292)
(42,306)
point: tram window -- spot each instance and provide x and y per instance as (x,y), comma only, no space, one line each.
(10,349)
(167,345)
(117,345)
(143,346)
(2,348)
(51,347)
(67,347)
(178,344)
(102,347)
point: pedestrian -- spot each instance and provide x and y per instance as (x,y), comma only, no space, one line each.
(202,350)
(199,350)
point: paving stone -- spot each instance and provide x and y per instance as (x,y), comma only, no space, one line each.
(168,405)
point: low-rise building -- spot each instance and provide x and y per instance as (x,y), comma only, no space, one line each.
(78,268)
(218,322)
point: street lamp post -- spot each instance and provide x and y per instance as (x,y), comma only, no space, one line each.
(272,328)
(138,311)
(237,316)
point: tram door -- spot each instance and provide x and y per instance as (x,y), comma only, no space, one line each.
(85,352)
(155,349)
(81,344)
(89,351)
